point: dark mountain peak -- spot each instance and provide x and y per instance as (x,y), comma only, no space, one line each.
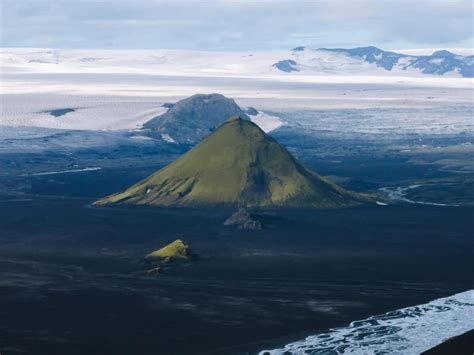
(366,50)
(191,119)
(286,65)
(299,49)
(443,54)
(204,97)
(251,111)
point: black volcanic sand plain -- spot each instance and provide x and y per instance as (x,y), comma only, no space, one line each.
(73,281)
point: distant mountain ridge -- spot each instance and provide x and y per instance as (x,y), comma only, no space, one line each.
(300,61)
(328,59)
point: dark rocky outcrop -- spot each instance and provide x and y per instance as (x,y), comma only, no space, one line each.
(242,219)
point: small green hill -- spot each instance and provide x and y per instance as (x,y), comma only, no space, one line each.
(176,250)
(238,165)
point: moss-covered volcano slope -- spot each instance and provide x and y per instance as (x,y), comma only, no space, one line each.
(237,165)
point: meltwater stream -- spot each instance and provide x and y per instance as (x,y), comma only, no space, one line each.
(63,171)
(399,194)
(406,331)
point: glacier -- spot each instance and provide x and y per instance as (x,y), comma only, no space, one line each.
(407,331)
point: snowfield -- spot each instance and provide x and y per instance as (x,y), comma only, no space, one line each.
(90,112)
(122,89)
(266,121)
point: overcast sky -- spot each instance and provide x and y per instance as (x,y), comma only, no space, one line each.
(236,25)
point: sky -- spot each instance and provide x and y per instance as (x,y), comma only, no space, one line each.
(236,25)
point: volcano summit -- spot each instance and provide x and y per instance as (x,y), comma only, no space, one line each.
(238,165)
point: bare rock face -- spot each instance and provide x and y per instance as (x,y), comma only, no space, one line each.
(243,220)
(190,120)
(251,111)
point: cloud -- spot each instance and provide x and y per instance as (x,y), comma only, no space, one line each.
(235,25)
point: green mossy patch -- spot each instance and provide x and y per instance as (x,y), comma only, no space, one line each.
(176,250)
(238,165)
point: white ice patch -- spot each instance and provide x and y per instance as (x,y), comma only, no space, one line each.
(167,138)
(407,331)
(267,122)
